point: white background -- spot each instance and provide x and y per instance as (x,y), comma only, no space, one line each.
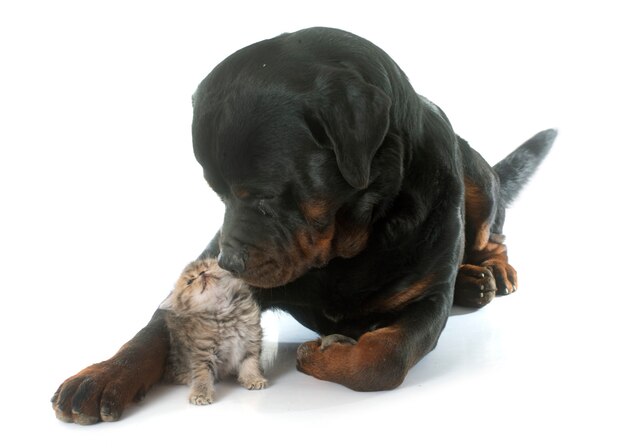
(102,204)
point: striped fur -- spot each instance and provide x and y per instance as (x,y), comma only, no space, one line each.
(215,330)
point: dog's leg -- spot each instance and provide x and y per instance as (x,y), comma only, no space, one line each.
(102,391)
(380,359)
(485,271)
(486,275)
(494,258)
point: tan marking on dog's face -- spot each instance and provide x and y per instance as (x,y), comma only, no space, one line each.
(316,211)
(309,249)
(350,240)
(312,248)
(241,193)
(321,237)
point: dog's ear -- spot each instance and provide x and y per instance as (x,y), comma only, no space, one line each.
(353,117)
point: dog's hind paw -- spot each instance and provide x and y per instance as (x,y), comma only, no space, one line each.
(504,275)
(475,286)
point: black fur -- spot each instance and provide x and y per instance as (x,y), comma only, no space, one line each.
(323,115)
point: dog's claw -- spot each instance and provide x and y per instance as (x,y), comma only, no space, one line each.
(327,341)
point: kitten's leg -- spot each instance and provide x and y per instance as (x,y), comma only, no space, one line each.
(250,375)
(203,375)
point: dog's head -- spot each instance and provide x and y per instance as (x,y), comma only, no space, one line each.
(289,149)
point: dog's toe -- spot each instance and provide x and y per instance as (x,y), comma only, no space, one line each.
(475,286)
(327,341)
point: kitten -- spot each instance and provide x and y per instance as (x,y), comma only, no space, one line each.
(215,330)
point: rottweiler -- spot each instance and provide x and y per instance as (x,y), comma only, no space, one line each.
(350,203)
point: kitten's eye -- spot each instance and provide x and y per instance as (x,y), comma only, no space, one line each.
(190,281)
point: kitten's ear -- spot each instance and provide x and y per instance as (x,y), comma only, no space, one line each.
(168,303)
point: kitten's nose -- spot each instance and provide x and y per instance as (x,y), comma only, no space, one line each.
(231,260)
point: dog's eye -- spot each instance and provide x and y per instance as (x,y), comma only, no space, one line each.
(190,281)
(264,208)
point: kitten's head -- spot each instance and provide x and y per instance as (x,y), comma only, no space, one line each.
(202,286)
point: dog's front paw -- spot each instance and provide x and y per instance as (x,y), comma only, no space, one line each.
(309,353)
(98,393)
(320,358)
(374,362)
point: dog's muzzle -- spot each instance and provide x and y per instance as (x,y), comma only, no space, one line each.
(232,260)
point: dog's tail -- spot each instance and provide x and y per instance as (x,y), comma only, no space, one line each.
(519,166)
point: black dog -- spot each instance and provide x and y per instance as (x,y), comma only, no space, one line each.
(350,203)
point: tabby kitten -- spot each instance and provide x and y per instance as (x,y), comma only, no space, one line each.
(215,330)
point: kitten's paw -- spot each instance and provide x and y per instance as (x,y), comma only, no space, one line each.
(254,383)
(200,399)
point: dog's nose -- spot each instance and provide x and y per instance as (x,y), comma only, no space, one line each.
(232,261)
